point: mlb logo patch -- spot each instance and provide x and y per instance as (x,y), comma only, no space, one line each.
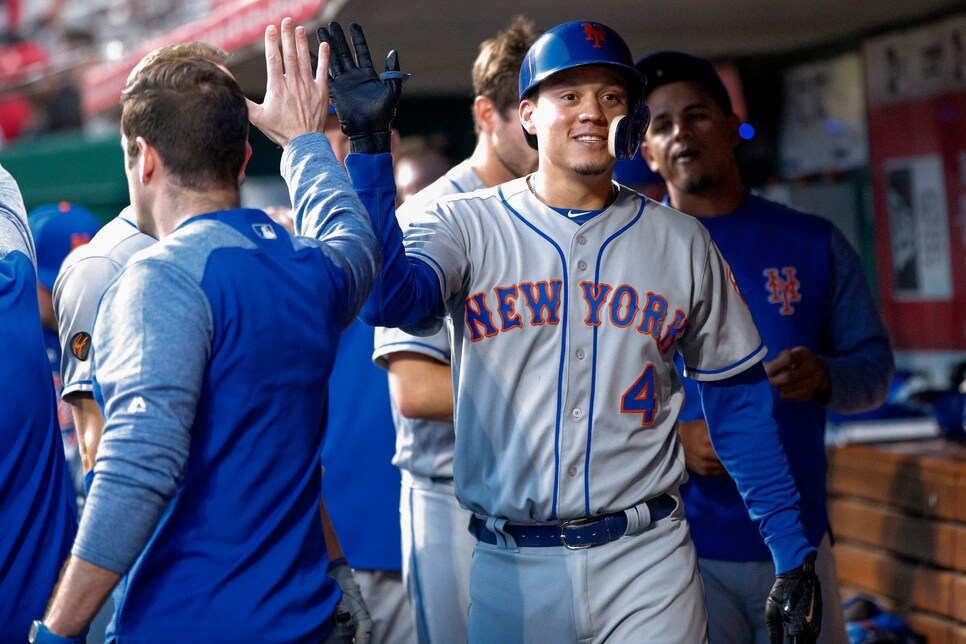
(265,231)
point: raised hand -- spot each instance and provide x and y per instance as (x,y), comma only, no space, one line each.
(296,99)
(365,102)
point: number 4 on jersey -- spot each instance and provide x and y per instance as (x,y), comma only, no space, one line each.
(641,398)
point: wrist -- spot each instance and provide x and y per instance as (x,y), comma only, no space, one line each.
(370,143)
(335,563)
(39,634)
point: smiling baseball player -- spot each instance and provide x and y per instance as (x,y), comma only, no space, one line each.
(569,295)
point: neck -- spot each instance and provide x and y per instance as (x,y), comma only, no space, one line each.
(178,205)
(718,200)
(576,192)
(487,165)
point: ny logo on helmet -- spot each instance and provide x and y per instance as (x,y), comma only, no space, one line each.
(782,290)
(595,33)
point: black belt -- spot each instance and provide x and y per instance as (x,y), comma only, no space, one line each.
(576,534)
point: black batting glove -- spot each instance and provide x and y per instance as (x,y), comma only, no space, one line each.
(794,605)
(366,104)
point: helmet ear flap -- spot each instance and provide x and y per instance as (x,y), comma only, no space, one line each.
(627,132)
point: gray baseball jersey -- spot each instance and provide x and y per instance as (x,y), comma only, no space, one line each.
(424,447)
(564,335)
(84,276)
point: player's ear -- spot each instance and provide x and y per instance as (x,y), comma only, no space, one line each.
(248,156)
(526,116)
(147,160)
(483,113)
(648,157)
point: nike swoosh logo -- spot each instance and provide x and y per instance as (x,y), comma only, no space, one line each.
(577,213)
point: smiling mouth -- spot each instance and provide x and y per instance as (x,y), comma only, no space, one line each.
(591,138)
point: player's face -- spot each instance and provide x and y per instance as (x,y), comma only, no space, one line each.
(571,117)
(690,140)
(510,146)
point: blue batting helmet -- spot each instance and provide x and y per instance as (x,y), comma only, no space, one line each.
(582,42)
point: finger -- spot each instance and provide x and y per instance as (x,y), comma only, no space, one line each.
(340,48)
(335,66)
(363,59)
(304,57)
(290,57)
(321,76)
(273,61)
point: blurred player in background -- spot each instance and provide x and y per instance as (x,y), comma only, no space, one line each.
(59,229)
(827,346)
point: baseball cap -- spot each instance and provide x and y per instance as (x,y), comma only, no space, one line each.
(666,67)
(58,229)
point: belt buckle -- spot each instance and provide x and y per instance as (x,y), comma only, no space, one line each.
(576,523)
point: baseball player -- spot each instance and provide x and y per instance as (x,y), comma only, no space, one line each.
(58,229)
(827,346)
(187,433)
(36,512)
(437,548)
(569,295)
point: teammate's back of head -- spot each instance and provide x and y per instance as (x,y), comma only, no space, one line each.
(496,68)
(194,114)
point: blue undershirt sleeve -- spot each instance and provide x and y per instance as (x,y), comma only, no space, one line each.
(859,355)
(407,292)
(743,433)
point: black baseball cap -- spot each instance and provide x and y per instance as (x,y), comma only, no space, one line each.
(666,67)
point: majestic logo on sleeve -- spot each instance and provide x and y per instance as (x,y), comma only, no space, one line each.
(538,303)
(595,33)
(80,345)
(782,288)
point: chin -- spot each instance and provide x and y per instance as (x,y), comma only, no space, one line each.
(592,170)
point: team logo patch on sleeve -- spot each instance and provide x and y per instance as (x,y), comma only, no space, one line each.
(80,345)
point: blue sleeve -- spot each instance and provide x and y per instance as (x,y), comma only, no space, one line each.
(856,345)
(745,437)
(406,293)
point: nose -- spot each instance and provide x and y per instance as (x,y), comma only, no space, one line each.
(591,110)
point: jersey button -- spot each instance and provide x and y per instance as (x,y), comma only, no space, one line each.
(581,240)
(582,265)
(572,471)
(577,413)
(580,354)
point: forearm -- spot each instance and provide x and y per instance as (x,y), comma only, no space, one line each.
(746,439)
(861,381)
(82,590)
(333,547)
(89,425)
(421,387)
(406,292)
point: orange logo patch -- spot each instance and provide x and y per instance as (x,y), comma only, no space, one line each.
(80,345)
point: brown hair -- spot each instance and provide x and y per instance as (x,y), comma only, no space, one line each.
(193,114)
(496,71)
(181,51)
